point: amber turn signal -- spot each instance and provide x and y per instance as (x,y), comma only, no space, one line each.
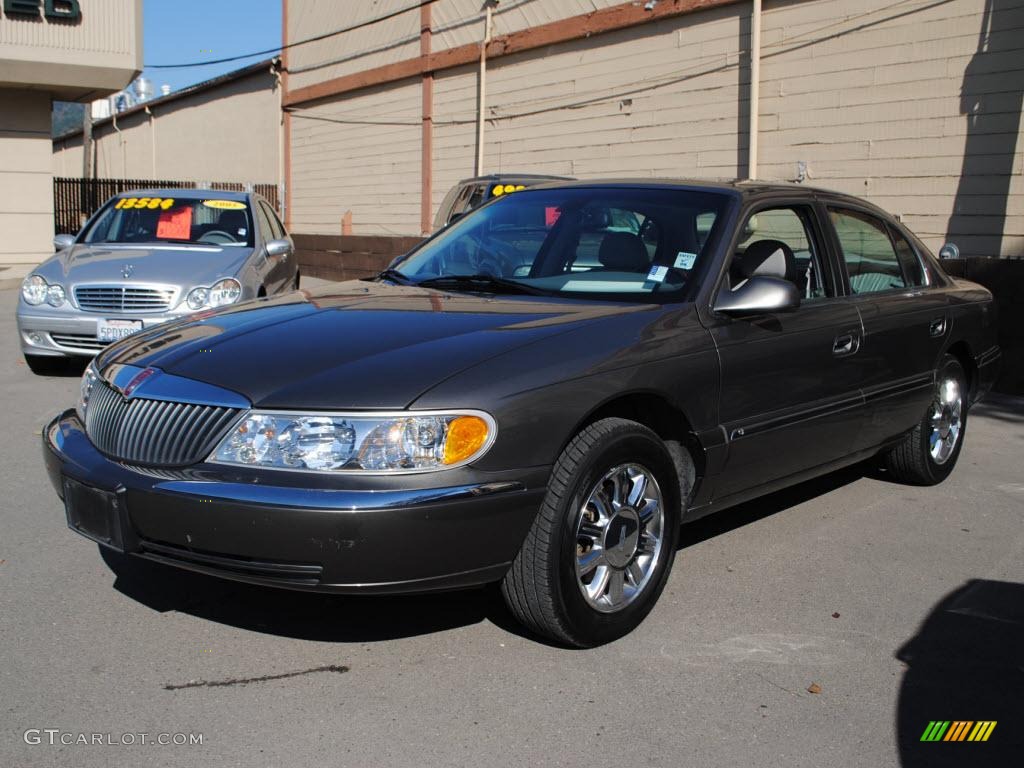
(466,436)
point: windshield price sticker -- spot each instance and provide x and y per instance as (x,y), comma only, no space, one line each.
(151,203)
(505,189)
(225,205)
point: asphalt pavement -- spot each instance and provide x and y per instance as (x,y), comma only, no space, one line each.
(825,625)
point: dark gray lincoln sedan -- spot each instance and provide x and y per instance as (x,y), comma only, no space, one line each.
(537,396)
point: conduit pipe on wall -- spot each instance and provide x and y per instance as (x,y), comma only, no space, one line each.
(120,142)
(755,88)
(482,85)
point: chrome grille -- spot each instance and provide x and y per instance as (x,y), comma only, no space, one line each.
(154,432)
(123,298)
(84,341)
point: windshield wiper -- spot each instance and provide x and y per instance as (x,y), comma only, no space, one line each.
(481,282)
(394,276)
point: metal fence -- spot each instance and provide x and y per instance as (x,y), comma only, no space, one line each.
(75,200)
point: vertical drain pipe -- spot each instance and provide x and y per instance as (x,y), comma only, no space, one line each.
(482,92)
(755,88)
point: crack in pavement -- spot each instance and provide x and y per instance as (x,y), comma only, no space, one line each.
(338,668)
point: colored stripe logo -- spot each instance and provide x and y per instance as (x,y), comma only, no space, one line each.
(958,730)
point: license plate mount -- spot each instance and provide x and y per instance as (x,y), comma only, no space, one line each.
(94,513)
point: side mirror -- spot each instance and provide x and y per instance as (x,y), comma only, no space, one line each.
(60,242)
(949,251)
(456,215)
(278,248)
(758,295)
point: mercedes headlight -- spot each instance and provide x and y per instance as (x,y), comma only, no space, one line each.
(34,290)
(197,298)
(55,295)
(339,442)
(220,294)
(88,383)
(224,292)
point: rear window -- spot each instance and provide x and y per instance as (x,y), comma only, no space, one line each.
(197,221)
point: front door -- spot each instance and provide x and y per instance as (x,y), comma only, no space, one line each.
(791,396)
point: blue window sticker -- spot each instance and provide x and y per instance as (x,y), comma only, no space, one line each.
(657,274)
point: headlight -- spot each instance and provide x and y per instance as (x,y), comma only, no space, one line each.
(224,292)
(55,295)
(197,298)
(34,289)
(89,379)
(379,443)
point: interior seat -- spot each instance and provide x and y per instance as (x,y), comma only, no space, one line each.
(764,258)
(623,252)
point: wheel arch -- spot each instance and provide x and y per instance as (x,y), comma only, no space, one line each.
(661,416)
(961,350)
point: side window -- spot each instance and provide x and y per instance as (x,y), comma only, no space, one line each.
(779,242)
(912,266)
(868,252)
(276,228)
(265,228)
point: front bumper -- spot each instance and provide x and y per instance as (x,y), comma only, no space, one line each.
(68,331)
(387,539)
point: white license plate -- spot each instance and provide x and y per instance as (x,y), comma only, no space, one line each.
(113,330)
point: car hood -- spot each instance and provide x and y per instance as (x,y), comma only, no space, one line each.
(352,345)
(193,265)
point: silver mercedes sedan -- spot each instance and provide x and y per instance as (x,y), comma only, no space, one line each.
(147,257)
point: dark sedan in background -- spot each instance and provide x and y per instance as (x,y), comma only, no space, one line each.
(147,257)
(537,396)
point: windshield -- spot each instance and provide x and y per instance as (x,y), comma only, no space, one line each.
(620,243)
(199,221)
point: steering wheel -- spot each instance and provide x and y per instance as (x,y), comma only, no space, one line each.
(218,233)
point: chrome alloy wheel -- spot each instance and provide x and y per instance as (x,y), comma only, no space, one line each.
(946,420)
(619,537)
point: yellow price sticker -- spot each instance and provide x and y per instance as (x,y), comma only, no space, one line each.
(150,203)
(227,205)
(506,189)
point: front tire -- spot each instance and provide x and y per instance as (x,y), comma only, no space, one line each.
(600,550)
(928,454)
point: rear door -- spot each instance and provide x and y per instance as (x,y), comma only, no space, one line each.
(790,380)
(906,322)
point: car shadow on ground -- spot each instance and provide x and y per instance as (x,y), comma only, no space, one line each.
(351,619)
(301,615)
(965,664)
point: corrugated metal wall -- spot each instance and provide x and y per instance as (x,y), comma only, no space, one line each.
(915,105)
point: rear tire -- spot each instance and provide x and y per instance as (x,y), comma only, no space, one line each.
(601,548)
(45,365)
(928,454)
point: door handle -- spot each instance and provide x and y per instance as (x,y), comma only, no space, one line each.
(937,327)
(846,344)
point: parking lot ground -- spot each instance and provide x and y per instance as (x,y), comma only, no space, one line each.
(899,605)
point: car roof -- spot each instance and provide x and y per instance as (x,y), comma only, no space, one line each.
(493,177)
(186,194)
(745,188)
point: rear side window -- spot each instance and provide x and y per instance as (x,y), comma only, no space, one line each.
(913,269)
(868,251)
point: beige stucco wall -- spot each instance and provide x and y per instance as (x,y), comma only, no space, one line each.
(96,55)
(26,187)
(916,107)
(230,132)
